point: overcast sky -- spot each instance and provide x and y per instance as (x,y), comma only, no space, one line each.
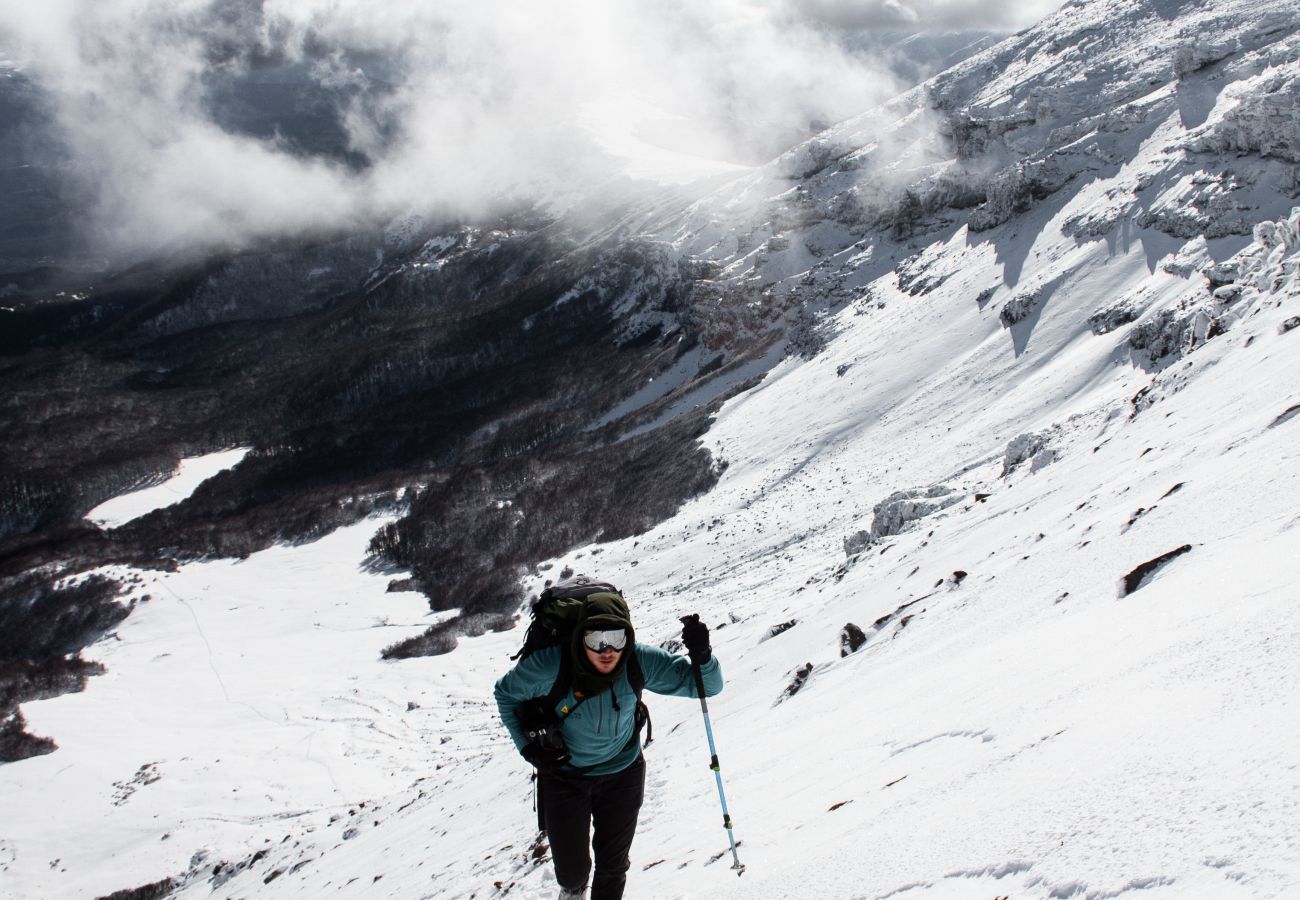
(451,103)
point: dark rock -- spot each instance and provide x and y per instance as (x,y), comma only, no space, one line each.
(672,645)
(851,639)
(1142,574)
(1286,416)
(781,628)
(800,679)
(155,891)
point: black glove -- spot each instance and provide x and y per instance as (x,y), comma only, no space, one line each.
(545,759)
(695,635)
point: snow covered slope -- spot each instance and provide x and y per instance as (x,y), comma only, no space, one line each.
(1040,449)
(190,473)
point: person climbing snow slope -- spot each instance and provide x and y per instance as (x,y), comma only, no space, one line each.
(575,714)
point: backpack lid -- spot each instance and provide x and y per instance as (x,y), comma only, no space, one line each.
(562,608)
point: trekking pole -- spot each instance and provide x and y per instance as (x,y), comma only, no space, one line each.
(717,770)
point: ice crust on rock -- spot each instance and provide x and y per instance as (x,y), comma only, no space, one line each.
(1019,308)
(1264,119)
(897,512)
(1030,446)
(1261,275)
(1017,189)
(1118,314)
(1195,56)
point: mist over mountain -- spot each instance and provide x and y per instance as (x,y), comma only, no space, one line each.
(978,344)
(244,122)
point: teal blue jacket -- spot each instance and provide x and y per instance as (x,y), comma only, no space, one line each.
(597,732)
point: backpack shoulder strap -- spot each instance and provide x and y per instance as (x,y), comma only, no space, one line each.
(563,680)
(635,677)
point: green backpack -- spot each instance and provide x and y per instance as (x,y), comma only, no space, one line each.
(556,613)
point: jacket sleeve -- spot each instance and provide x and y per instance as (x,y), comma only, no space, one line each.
(672,675)
(533,677)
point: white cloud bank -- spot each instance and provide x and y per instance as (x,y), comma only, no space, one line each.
(454,105)
(952,15)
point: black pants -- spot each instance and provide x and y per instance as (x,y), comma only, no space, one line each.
(571,804)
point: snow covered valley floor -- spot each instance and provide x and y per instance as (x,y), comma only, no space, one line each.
(1021,721)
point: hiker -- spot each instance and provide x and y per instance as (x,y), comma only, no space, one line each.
(585,743)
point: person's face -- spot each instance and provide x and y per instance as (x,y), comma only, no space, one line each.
(603,648)
(604,661)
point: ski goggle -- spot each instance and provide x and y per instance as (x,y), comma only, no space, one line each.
(600,641)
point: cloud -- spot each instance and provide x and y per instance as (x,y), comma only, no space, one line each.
(222,122)
(917,15)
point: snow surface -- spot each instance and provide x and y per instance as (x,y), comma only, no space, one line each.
(190,473)
(1019,722)
(1027,731)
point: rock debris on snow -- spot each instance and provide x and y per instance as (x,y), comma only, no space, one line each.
(1135,579)
(797,682)
(851,639)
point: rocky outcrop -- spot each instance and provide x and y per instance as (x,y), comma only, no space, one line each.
(1262,275)
(1265,120)
(1116,315)
(897,512)
(1017,188)
(852,638)
(1032,447)
(1204,206)
(1019,308)
(973,135)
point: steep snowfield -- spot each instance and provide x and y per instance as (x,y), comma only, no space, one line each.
(1104,378)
